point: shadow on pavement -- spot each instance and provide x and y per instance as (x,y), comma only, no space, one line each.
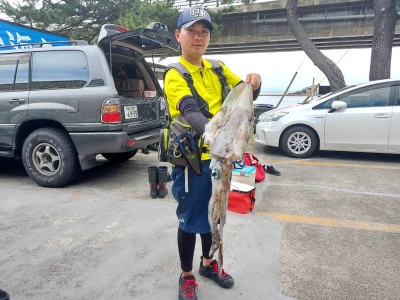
(12,167)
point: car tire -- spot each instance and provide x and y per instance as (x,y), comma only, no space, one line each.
(299,142)
(50,158)
(119,157)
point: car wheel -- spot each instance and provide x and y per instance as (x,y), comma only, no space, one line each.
(50,158)
(299,142)
(119,157)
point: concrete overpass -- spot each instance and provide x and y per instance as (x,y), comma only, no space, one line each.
(263,27)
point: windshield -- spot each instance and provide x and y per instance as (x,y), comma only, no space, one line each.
(329,94)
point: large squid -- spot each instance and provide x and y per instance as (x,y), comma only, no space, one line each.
(227,135)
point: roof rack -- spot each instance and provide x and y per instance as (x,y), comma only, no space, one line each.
(43,44)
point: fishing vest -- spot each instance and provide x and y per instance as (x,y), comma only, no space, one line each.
(177,145)
(217,69)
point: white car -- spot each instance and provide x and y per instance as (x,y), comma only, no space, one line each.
(362,118)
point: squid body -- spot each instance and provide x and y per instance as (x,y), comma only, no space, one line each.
(227,135)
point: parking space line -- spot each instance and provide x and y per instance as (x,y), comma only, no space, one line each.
(330,222)
(335,164)
(331,164)
(324,187)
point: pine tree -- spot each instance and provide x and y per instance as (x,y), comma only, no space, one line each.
(78,19)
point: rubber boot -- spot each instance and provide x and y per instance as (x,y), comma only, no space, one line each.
(153,181)
(162,180)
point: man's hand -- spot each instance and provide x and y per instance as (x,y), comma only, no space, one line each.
(254,79)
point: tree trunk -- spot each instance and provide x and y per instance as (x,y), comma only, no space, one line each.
(327,66)
(382,42)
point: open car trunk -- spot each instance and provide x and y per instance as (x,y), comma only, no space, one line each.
(142,102)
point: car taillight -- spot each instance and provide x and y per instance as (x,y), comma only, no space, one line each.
(111,111)
(122,29)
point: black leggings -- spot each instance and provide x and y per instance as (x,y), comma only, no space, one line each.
(186,245)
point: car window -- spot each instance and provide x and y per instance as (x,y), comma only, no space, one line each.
(356,100)
(379,97)
(397,100)
(8,66)
(363,98)
(328,95)
(22,77)
(14,72)
(59,70)
(325,105)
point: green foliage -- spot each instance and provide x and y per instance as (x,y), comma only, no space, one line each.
(78,19)
(82,19)
(216,17)
(146,12)
(163,12)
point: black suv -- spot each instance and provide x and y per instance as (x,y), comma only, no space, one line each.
(61,106)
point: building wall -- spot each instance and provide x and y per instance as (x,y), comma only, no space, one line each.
(320,18)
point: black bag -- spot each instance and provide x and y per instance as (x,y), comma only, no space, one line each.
(179,147)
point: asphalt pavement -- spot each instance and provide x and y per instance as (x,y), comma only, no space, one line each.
(327,228)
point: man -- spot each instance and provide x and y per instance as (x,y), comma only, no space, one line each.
(191,191)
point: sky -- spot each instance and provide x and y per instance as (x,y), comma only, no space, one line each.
(5,17)
(277,69)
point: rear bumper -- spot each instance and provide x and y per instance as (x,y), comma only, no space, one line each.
(112,142)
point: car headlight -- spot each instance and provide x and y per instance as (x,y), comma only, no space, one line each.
(272,117)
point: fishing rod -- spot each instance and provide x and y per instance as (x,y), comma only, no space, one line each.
(290,83)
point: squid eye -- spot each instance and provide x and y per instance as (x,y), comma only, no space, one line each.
(215,174)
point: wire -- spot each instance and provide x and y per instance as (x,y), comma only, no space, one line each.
(337,63)
(301,62)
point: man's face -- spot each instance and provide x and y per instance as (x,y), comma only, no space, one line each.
(194,40)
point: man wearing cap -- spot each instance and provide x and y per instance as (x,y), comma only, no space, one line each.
(193,33)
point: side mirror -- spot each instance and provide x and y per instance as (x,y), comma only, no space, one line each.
(337,105)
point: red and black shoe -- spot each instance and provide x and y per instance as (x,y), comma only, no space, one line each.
(224,280)
(187,287)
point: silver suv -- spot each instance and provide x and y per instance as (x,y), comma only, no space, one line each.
(63,105)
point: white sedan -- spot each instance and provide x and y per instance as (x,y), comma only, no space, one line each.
(362,118)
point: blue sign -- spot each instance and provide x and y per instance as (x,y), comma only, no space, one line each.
(18,36)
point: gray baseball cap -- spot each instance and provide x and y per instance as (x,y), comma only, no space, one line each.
(191,15)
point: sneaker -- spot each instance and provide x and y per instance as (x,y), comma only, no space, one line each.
(4,295)
(145,150)
(187,287)
(272,170)
(225,280)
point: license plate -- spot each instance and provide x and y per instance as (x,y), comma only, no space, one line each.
(131,112)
